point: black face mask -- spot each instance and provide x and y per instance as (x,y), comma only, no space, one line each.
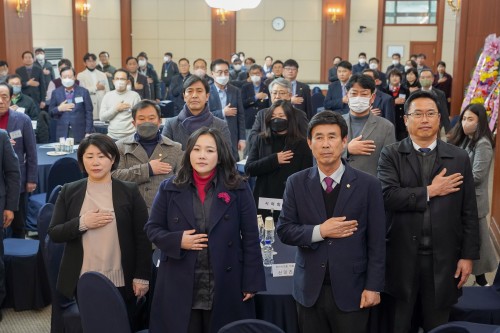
(279,125)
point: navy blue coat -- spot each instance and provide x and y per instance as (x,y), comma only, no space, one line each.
(303,90)
(385,103)
(9,176)
(252,105)
(234,252)
(333,99)
(80,118)
(25,147)
(357,262)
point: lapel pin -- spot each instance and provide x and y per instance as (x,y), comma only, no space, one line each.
(160,155)
(348,185)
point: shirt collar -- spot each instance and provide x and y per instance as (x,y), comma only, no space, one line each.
(431,146)
(336,175)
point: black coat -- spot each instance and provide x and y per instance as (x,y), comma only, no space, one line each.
(252,105)
(455,229)
(36,93)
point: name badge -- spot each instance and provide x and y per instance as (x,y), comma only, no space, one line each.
(79,99)
(33,124)
(270,203)
(280,270)
(16,134)
(402,96)
(20,109)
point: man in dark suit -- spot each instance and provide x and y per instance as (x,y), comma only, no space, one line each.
(20,130)
(72,108)
(426,79)
(10,180)
(443,81)
(381,80)
(395,64)
(383,105)
(225,102)
(301,93)
(361,65)
(336,97)
(32,79)
(334,214)
(255,96)
(175,91)
(433,233)
(168,70)
(141,85)
(46,66)
(332,72)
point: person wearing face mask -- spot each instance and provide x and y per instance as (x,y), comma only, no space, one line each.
(71,107)
(32,79)
(19,101)
(200,69)
(472,133)
(426,79)
(139,82)
(367,133)
(361,65)
(279,152)
(237,77)
(225,103)
(175,91)
(395,64)
(255,97)
(168,70)
(116,107)
(106,67)
(46,66)
(146,69)
(147,157)
(332,72)
(381,81)
(4,70)
(95,81)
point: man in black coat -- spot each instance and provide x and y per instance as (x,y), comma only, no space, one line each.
(301,93)
(426,80)
(32,79)
(432,232)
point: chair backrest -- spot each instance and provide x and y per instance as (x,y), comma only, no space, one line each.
(102,308)
(250,326)
(317,101)
(450,328)
(64,170)
(54,194)
(43,222)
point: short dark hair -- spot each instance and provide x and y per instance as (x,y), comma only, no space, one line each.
(364,81)
(291,63)
(397,55)
(442,63)
(250,59)
(373,58)
(226,172)
(420,94)
(236,59)
(413,56)
(183,59)
(413,63)
(345,64)
(130,58)
(3,63)
(268,57)
(426,70)
(65,62)
(169,54)
(39,50)
(88,56)
(200,59)
(27,52)
(395,72)
(369,70)
(218,62)
(277,62)
(412,70)
(64,69)
(12,76)
(337,57)
(142,54)
(362,54)
(123,71)
(327,117)
(421,55)
(192,79)
(104,143)
(104,53)
(145,103)
(253,67)
(11,90)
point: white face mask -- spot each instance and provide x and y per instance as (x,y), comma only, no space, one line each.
(167,59)
(373,66)
(395,62)
(68,82)
(222,80)
(129,87)
(407,68)
(40,57)
(359,104)
(120,85)
(255,78)
(469,128)
(237,67)
(142,62)
(200,72)
(362,61)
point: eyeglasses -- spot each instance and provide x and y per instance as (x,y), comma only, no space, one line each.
(420,115)
(279,93)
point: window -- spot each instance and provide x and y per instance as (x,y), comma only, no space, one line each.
(410,12)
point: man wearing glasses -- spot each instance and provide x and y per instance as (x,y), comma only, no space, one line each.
(280,89)
(432,235)
(301,94)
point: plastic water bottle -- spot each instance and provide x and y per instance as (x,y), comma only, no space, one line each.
(267,254)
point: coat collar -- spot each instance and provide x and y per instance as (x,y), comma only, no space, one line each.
(368,128)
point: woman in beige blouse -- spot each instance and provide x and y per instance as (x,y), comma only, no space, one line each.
(101,221)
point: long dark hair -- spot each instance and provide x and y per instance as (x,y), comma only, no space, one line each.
(293,134)
(457,135)
(226,165)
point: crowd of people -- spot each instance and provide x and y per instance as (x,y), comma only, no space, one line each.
(385,201)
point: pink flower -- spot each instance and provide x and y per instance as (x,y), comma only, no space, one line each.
(224,196)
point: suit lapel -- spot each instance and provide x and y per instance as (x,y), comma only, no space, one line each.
(315,190)
(441,154)
(406,147)
(348,186)
(370,125)
(184,201)
(219,206)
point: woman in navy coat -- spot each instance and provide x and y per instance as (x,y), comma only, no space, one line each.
(204,222)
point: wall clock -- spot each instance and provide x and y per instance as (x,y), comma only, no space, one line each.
(278,23)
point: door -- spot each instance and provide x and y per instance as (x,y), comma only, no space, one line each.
(427,48)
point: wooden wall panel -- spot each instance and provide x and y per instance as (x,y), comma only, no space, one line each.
(80,37)
(334,36)
(126,29)
(16,35)
(223,36)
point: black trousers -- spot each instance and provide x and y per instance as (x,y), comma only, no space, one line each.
(421,307)
(199,321)
(19,222)
(325,317)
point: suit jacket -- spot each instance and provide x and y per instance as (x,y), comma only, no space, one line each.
(145,92)
(80,118)
(455,230)
(399,67)
(87,82)
(175,92)
(385,103)
(377,129)
(234,252)
(303,90)
(236,123)
(332,74)
(355,263)
(252,105)
(134,164)
(358,68)
(25,147)
(131,215)
(37,93)
(168,70)
(46,65)
(480,157)
(155,87)
(10,176)
(31,109)
(444,86)
(333,99)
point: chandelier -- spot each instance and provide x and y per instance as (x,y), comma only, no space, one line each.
(233,5)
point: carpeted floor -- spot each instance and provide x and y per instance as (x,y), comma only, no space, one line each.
(26,321)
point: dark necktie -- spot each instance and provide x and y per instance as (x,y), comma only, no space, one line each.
(424,150)
(329,183)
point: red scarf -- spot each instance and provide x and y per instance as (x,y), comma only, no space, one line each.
(201,183)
